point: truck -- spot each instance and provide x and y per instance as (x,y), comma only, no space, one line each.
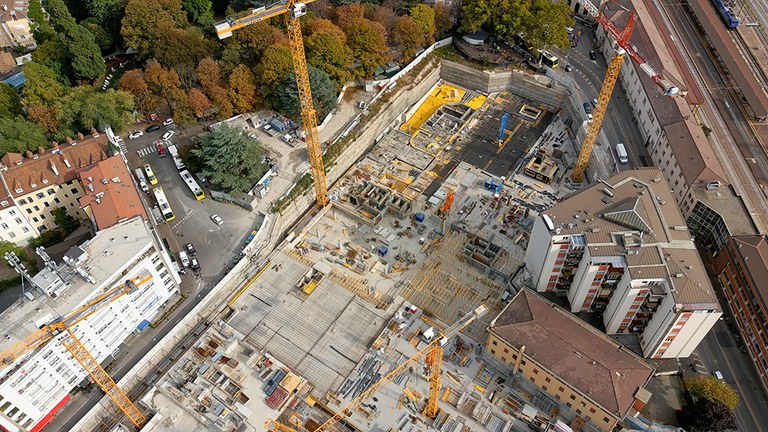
(174,152)
(621,153)
(142,180)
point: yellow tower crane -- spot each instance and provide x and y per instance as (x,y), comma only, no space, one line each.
(78,350)
(293,10)
(433,352)
(623,47)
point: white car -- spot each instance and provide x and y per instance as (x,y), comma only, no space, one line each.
(184,259)
(217,219)
(168,135)
(168,122)
(135,134)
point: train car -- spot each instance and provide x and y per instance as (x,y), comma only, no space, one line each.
(727,14)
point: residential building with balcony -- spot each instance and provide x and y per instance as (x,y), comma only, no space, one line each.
(14,227)
(742,269)
(573,363)
(110,194)
(37,384)
(42,181)
(15,28)
(621,248)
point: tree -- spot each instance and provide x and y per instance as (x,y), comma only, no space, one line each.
(104,38)
(368,41)
(326,48)
(83,52)
(251,42)
(382,15)
(443,20)
(242,89)
(542,22)
(10,102)
(706,415)
(323,94)
(221,101)
(199,102)
(208,73)
(424,17)
(53,55)
(709,387)
(6,246)
(177,46)
(87,107)
(148,21)
(200,11)
(45,117)
(232,161)
(275,64)
(348,15)
(44,30)
(408,36)
(19,135)
(42,86)
(164,83)
(64,221)
(133,82)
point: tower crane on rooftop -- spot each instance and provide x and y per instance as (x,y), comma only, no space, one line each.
(293,10)
(78,350)
(623,47)
(433,354)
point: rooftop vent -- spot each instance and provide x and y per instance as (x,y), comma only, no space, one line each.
(679,275)
(608,192)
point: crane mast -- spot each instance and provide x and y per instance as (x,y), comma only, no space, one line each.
(293,11)
(433,353)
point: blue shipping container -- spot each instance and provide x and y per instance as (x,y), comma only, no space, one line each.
(419,217)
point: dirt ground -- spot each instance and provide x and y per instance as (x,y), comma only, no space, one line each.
(667,399)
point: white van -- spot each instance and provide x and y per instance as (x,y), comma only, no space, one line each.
(718,374)
(621,152)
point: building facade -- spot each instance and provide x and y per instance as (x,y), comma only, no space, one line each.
(573,363)
(38,384)
(15,27)
(621,248)
(742,269)
(42,181)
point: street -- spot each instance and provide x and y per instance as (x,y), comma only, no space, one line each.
(618,124)
(719,351)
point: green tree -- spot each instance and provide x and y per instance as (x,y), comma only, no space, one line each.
(42,86)
(200,11)
(242,89)
(323,94)
(107,14)
(326,48)
(87,107)
(232,161)
(82,50)
(64,221)
(542,22)
(6,246)
(709,387)
(19,135)
(275,64)
(44,30)
(706,415)
(147,21)
(408,36)
(443,20)
(368,41)
(424,17)
(250,43)
(10,102)
(177,46)
(53,55)
(104,38)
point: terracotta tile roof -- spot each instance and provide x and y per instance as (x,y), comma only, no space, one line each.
(7,62)
(18,8)
(588,360)
(59,166)
(110,192)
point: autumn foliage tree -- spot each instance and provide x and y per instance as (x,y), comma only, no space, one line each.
(242,89)
(198,102)
(408,36)
(424,17)
(368,41)
(133,82)
(709,387)
(326,48)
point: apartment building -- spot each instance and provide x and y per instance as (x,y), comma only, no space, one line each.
(14,227)
(15,28)
(42,181)
(569,360)
(621,248)
(37,385)
(110,194)
(742,269)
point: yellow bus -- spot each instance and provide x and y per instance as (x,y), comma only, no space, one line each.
(192,184)
(162,202)
(150,175)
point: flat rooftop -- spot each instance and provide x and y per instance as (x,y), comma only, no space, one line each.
(108,252)
(726,203)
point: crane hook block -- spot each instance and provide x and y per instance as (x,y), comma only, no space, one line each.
(298,10)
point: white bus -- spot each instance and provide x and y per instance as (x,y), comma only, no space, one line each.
(549,59)
(162,202)
(621,152)
(192,184)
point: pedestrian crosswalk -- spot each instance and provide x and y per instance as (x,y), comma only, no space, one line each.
(147,150)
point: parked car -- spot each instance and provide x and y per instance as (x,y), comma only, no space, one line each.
(718,375)
(191,249)
(587,108)
(143,185)
(168,122)
(217,219)
(594,102)
(184,259)
(135,134)
(168,135)
(152,128)
(194,265)
(568,68)
(592,55)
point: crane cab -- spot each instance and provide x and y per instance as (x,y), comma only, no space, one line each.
(298,10)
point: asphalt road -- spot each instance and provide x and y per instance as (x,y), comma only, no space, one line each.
(719,351)
(618,124)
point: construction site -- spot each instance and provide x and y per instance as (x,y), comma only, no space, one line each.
(426,228)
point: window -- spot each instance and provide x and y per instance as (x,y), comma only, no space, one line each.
(51,191)
(522,363)
(5,226)
(42,216)
(11,234)
(34,219)
(561,389)
(606,420)
(573,397)
(547,379)
(535,371)
(493,351)
(56,200)
(591,410)
(73,190)
(22,201)
(36,208)
(40,195)
(544,388)
(494,342)
(12,212)
(29,211)
(18,221)
(45,203)
(25,229)
(506,351)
